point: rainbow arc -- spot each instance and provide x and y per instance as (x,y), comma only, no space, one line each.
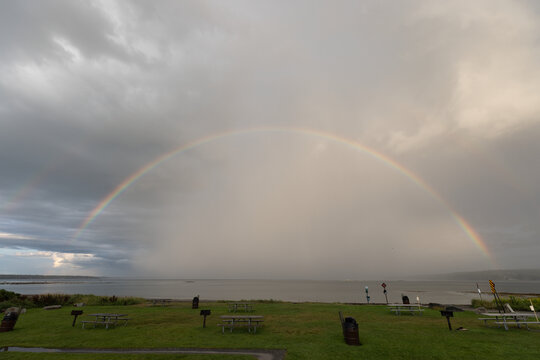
(128,181)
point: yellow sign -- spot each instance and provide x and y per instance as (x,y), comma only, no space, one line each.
(492,286)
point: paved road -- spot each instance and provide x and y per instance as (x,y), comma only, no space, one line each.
(258,354)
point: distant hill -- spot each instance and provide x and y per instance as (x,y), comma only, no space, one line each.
(519,274)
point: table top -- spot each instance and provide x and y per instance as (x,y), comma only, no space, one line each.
(241,316)
(405,305)
(107,315)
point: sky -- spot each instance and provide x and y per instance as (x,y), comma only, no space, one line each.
(269,139)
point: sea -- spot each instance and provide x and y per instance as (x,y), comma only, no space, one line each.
(328,291)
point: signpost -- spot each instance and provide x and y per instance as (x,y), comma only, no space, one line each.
(532,309)
(384,287)
(367,295)
(496,296)
(479,292)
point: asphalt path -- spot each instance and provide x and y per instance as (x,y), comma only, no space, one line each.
(262,354)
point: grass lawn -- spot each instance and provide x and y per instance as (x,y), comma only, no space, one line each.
(305,330)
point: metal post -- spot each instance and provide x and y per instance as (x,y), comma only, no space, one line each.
(367,294)
(384,290)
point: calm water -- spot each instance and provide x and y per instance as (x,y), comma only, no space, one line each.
(449,292)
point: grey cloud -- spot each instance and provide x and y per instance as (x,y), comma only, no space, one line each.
(91,92)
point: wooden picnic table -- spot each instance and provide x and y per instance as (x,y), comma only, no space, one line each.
(411,308)
(240,306)
(249,321)
(106,319)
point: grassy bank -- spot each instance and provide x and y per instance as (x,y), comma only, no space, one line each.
(306,330)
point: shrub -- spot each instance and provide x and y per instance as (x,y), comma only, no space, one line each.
(517,303)
(10,299)
(7,295)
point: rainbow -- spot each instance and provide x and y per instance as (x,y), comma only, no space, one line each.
(466,227)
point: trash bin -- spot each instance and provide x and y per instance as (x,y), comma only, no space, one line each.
(350,331)
(195,302)
(10,318)
(405,299)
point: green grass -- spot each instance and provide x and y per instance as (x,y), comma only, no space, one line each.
(306,331)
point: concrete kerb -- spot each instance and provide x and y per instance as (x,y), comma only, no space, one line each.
(260,354)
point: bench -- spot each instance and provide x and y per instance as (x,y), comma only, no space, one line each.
(106,323)
(95,322)
(244,323)
(410,310)
(161,302)
(125,320)
(234,307)
(518,323)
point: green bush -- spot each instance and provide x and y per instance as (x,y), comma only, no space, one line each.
(7,295)
(10,299)
(517,303)
(6,304)
(106,300)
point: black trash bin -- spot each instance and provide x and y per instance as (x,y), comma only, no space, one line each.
(405,299)
(350,331)
(10,318)
(195,302)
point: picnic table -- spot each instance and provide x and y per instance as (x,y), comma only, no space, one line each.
(410,308)
(249,321)
(511,318)
(240,306)
(106,319)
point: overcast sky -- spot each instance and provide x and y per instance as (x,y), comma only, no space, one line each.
(445,94)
